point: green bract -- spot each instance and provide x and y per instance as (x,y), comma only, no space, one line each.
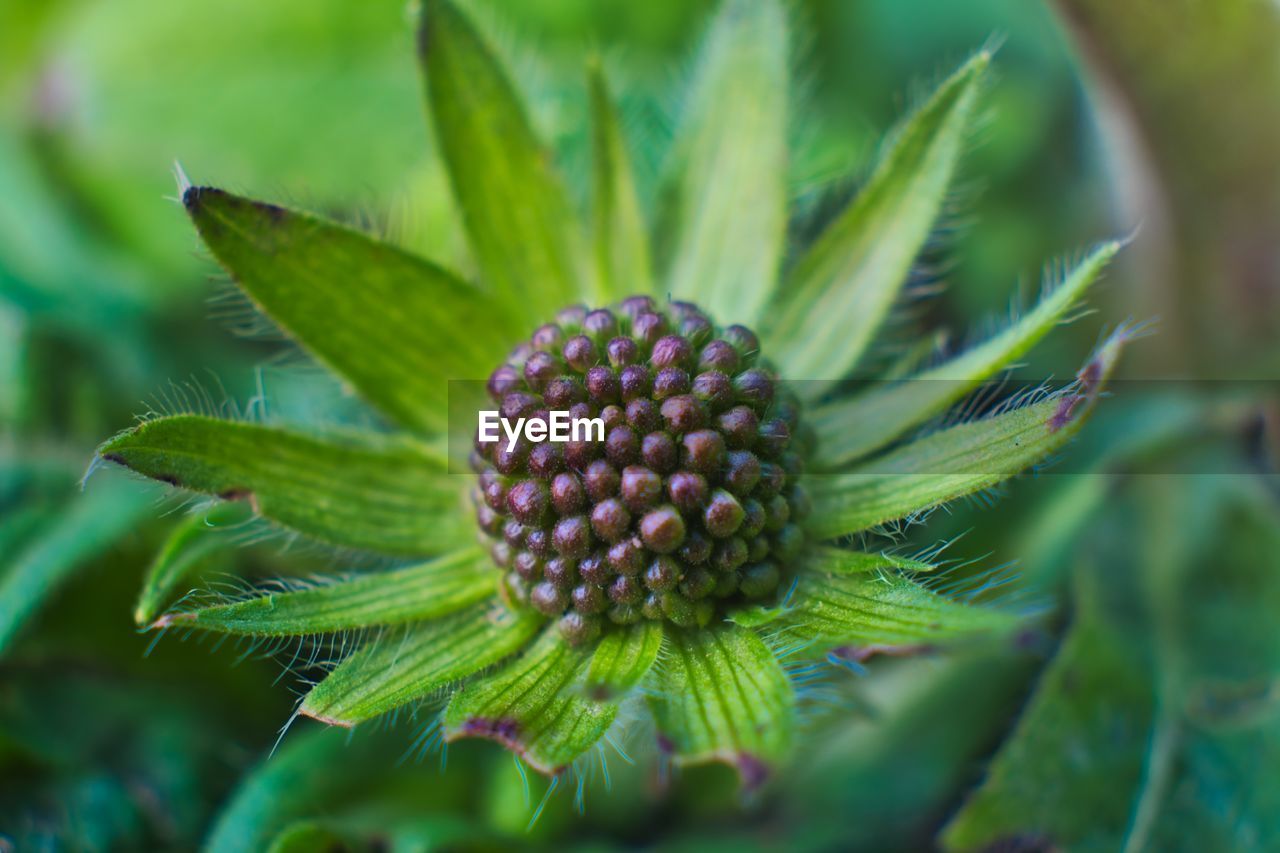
(396,328)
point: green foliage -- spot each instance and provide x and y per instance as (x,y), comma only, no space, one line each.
(43,557)
(305,274)
(399,668)
(523,232)
(355,490)
(437,588)
(722,696)
(959,460)
(529,707)
(838,294)
(727,204)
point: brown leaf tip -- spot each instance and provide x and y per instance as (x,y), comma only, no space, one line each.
(192,196)
(752,770)
(504,730)
(169,619)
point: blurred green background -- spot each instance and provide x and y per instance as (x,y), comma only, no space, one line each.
(1139,712)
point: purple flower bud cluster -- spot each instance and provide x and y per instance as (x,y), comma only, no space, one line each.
(690,502)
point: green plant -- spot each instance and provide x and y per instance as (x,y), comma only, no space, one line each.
(454,630)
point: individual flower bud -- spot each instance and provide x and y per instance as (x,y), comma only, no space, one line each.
(502,382)
(563,392)
(697,329)
(669,382)
(787,543)
(580,353)
(729,554)
(662,574)
(600,325)
(634,306)
(540,369)
(757,549)
(648,328)
(634,381)
(626,590)
(572,536)
(593,568)
(801,503)
(603,386)
(772,479)
(538,541)
(773,437)
(715,389)
(567,494)
(622,351)
(744,341)
(662,529)
(759,580)
(723,514)
(610,520)
(622,446)
(739,426)
(644,415)
(527,565)
(697,583)
(626,557)
(514,533)
(561,572)
(548,336)
(600,480)
(754,388)
(548,599)
(571,317)
(679,609)
(613,416)
(696,549)
(687,490)
(625,614)
(721,356)
(671,351)
(546,460)
(651,609)
(777,512)
(501,554)
(588,598)
(578,629)
(702,451)
(658,452)
(528,501)
(683,413)
(742,472)
(641,488)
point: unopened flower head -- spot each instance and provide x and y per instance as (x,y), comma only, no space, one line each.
(684,501)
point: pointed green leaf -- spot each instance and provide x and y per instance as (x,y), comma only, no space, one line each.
(314,771)
(1094,708)
(622,660)
(401,668)
(729,205)
(854,427)
(621,234)
(90,522)
(189,546)
(393,325)
(442,586)
(827,561)
(530,707)
(523,231)
(879,609)
(721,695)
(384,495)
(839,293)
(960,460)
